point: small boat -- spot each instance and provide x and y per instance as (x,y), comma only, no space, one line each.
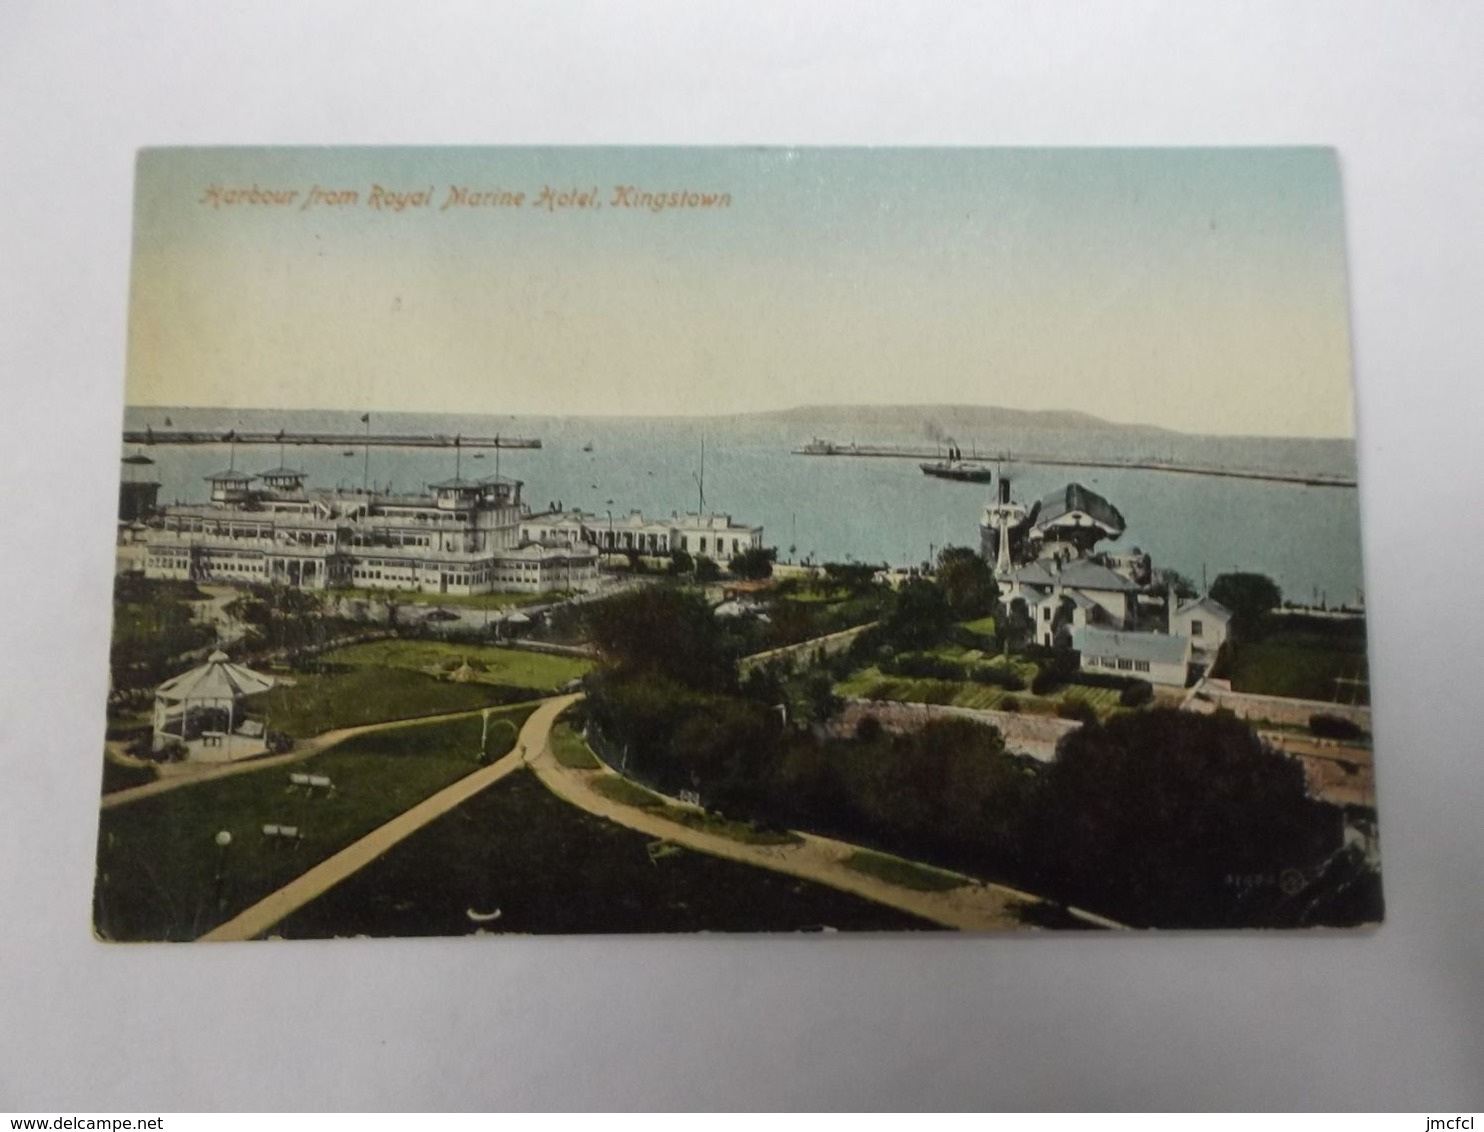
(588,447)
(349,452)
(479,455)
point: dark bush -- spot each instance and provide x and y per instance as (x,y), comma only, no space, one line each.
(1137,694)
(997,677)
(1334,727)
(1077,709)
(923,667)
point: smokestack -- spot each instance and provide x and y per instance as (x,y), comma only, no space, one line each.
(1004,490)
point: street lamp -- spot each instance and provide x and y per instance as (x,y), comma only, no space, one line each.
(223,840)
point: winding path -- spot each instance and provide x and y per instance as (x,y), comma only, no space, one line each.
(974,906)
(258,918)
(305,749)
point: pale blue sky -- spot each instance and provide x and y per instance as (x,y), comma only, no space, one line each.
(1195,289)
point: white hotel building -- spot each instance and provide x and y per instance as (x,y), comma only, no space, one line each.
(460,537)
(716,536)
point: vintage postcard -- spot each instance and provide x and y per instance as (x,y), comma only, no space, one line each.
(677,540)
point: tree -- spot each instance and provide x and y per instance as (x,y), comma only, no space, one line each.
(1249,597)
(967,582)
(854,577)
(706,569)
(663,631)
(681,562)
(1167,818)
(920,617)
(1183,586)
(753,564)
(1015,627)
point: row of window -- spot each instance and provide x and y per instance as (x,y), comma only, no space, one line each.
(1121,663)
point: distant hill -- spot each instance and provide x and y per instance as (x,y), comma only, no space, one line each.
(939,422)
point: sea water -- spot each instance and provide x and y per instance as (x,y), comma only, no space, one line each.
(876,510)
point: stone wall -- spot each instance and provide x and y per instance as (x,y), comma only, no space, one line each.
(1034,735)
(1213,694)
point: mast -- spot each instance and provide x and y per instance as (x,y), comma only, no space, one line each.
(701,480)
(366,467)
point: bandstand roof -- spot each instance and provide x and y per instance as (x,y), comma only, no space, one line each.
(217,679)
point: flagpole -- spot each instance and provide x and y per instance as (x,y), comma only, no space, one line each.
(366,469)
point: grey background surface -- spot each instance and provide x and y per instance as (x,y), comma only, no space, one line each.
(1393,1019)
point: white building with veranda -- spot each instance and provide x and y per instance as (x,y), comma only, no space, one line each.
(459,537)
(717,536)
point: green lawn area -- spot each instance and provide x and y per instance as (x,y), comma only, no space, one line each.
(548,867)
(1300,668)
(452,601)
(908,874)
(871,684)
(542,671)
(984,625)
(157,861)
(627,793)
(124,776)
(380,680)
(571,750)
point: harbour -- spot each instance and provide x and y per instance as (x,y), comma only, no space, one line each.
(1145,463)
(152,436)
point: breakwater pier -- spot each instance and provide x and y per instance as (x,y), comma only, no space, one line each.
(327,439)
(1141,463)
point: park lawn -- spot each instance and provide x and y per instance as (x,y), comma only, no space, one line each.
(547,867)
(907,874)
(514,667)
(490,601)
(318,702)
(1299,669)
(125,776)
(984,625)
(571,750)
(376,681)
(157,861)
(871,683)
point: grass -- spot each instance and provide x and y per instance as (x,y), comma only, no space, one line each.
(490,601)
(871,684)
(157,863)
(627,793)
(571,750)
(984,625)
(376,681)
(1299,668)
(550,868)
(124,776)
(322,702)
(515,667)
(907,874)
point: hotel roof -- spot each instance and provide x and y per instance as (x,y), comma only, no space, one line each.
(1157,648)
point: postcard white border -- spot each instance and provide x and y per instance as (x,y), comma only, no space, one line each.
(1385,1020)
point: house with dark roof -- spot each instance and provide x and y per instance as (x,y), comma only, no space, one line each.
(1078,593)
